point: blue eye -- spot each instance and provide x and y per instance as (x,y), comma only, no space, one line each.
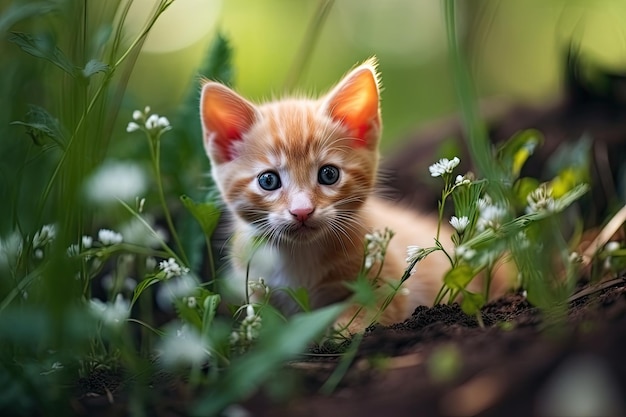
(269,181)
(328,175)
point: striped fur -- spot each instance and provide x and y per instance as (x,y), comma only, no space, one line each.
(294,138)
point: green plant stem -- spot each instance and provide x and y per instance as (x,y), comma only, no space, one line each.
(331,383)
(310,38)
(99,91)
(155,153)
(480,148)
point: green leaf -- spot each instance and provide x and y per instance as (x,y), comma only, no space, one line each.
(300,296)
(514,153)
(20,11)
(93,67)
(219,65)
(43,47)
(278,342)
(458,278)
(141,287)
(207,214)
(39,123)
(210,308)
(472,302)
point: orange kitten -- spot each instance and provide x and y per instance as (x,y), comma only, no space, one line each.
(298,176)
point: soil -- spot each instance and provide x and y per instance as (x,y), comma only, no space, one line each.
(521,362)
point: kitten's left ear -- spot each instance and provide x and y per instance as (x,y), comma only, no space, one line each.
(354,102)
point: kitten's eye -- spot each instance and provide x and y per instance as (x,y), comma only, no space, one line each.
(269,181)
(328,175)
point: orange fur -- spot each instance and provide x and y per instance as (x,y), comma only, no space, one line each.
(313,233)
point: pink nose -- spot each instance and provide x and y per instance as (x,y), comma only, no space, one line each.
(302,214)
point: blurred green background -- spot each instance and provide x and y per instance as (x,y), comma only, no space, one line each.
(516,49)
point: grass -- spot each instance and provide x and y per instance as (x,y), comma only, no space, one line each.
(65,266)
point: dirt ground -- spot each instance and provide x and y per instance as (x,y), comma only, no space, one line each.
(441,362)
(519,364)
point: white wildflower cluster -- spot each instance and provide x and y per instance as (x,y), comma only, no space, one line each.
(151,123)
(376,246)
(541,199)
(414,254)
(115,180)
(111,314)
(258,286)
(177,288)
(184,346)
(490,215)
(42,238)
(171,268)
(459,223)
(108,237)
(248,330)
(464,252)
(444,166)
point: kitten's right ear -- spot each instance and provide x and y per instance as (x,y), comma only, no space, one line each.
(226,116)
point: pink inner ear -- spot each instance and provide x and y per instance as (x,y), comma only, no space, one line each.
(226,116)
(355,104)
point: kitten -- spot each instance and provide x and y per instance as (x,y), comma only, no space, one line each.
(298,176)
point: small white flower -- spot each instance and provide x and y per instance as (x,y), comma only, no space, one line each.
(152,122)
(490,215)
(464,252)
(146,110)
(191,302)
(541,199)
(109,237)
(111,314)
(137,115)
(132,127)
(184,346)
(174,289)
(444,166)
(376,245)
(414,253)
(249,311)
(459,223)
(44,236)
(461,180)
(172,269)
(38,254)
(86,241)
(115,180)
(611,247)
(259,285)
(162,122)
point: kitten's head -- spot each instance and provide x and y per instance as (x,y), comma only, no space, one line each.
(296,169)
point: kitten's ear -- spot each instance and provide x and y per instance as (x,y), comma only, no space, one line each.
(354,102)
(226,116)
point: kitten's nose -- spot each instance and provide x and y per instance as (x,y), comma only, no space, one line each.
(302,213)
